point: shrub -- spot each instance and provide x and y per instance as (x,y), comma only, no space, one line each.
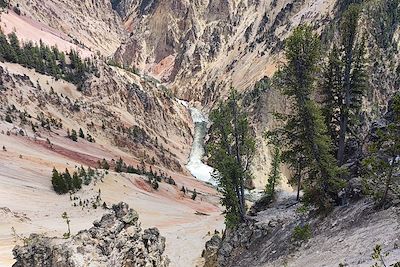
(302,233)
(8,118)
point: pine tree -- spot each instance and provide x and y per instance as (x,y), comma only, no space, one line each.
(194,195)
(231,150)
(353,77)
(81,134)
(331,88)
(8,118)
(68,179)
(105,164)
(120,165)
(67,220)
(73,136)
(76,181)
(304,135)
(275,173)
(58,182)
(15,48)
(382,166)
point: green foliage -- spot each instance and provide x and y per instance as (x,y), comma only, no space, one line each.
(124,67)
(64,182)
(154,184)
(331,88)
(4,3)
(73,136)
(81,134)
(8,118)
(104,164)
(120,166)
(380,258)
(231,149)
(385,18)
(44,59)
(275,173)
(194,195)
(382,166)
(76,181)
(303,209)
(302,233)
(253,96)
(353,79)
(305,145)
(58,182)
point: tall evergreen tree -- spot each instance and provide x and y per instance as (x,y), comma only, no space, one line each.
(76,181)
(68,179)
(275,173)
(231,150)
(58,182)
(15,48)
(383,164)
(304,134)
(352,56)
(331,87)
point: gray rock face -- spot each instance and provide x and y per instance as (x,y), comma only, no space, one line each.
(115,240)
(210,253)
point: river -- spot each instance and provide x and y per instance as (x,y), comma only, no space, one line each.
(195,164)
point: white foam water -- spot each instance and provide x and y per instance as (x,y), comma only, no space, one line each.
(195,165)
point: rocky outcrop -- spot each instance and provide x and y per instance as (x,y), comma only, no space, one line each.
(116,240)
(288,234)
(210,253)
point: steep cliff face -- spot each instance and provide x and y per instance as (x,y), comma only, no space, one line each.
(203,47)
(116,240)
(116,107)
(90,24)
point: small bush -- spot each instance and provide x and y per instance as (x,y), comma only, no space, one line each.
(302,233)
(8,118)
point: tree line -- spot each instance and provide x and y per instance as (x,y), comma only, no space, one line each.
(45,59)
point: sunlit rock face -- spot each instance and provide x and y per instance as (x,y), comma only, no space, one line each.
(115,240)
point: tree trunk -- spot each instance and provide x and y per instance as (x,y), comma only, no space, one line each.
(298,181)
(345,107)
(388,182)
(238,159)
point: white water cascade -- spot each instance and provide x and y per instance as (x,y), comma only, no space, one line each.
(195,165)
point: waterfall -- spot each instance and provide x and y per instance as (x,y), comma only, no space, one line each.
(195,165)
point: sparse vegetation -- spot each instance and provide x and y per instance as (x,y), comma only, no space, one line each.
(302,232)
(380,258)
(153,177)
(194,194)
(67,220)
